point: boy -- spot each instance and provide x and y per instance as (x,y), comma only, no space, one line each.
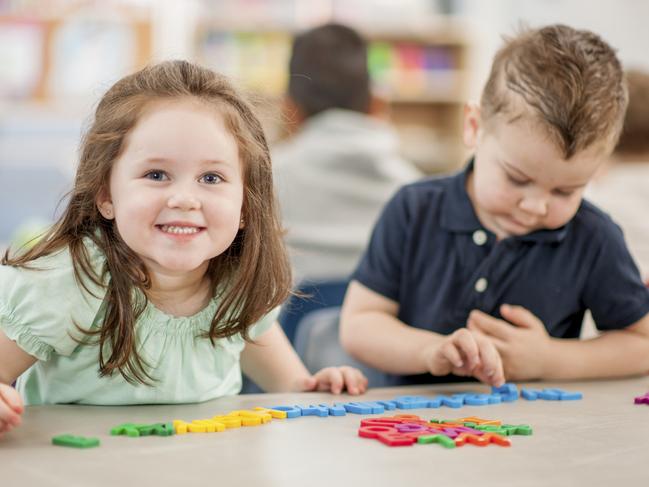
(508,247)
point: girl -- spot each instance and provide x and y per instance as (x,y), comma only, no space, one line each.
(166,265)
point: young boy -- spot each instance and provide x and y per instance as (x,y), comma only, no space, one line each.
(508,247)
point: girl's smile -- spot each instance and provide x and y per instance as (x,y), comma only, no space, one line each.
(180,230)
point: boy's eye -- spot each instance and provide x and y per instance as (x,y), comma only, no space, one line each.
(515,181)
(563,193)
(211,178)
(156,176)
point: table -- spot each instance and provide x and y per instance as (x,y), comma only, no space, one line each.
(602,440)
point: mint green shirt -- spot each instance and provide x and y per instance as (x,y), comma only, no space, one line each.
(38,310)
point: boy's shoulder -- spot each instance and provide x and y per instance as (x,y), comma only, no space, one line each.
(440,198)
(594,227)
(430,188)
(590,217)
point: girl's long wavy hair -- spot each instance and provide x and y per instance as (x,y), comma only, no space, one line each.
(252,275)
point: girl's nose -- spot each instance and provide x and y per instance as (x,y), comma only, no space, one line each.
(184,201)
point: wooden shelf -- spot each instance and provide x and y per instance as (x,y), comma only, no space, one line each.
(421,73)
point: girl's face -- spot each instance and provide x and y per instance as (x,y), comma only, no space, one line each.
(176,191)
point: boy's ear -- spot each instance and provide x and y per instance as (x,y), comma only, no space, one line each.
(105,204)
(471,127)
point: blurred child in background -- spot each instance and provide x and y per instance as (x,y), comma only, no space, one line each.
(340,167)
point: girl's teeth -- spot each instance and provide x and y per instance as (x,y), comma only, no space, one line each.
(179,230)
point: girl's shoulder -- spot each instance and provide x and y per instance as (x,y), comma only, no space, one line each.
(41,306)
(55,271)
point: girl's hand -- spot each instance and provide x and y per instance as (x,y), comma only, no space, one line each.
(337,379)
(465,353)
(11,407)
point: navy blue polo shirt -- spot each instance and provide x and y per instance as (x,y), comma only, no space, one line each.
(430,253)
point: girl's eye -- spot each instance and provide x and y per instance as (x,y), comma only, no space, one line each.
(211,178)
(156,176)
(565,194)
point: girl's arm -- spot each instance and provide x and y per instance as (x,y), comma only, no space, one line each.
(13,362)
(272,363)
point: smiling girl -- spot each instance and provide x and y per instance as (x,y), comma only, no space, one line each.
(162,278)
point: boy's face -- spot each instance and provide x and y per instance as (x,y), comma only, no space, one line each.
(521,182)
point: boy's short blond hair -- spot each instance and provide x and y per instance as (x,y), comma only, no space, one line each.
(568,80)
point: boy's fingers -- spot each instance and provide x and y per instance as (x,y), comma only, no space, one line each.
(452,354)
(489,325)
(492,366)
(465,340)
(493,380)
(520,316)
(489,356)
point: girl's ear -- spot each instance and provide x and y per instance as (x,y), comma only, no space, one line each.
(242,223)
(471,128)
(105,205)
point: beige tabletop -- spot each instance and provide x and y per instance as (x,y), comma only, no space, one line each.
(602,440)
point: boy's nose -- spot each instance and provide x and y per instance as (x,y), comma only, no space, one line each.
(535,206)
(184,201)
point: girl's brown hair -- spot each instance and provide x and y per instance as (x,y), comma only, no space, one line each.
(251,277)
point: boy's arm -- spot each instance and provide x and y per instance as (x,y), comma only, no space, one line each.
(528,351)
(614,353)
(371,333)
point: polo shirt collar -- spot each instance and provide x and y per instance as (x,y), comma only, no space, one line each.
(458,215)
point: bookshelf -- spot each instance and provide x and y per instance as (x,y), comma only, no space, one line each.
(66,50)
(422,75)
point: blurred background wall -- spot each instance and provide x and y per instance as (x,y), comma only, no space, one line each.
(427,57)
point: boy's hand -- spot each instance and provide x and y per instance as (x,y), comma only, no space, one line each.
(524,347)
(466,353)
(11,407)
(337,379)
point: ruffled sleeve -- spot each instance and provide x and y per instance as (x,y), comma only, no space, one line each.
(40,308)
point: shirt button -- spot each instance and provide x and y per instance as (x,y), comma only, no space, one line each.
(479,237)
(481,285)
